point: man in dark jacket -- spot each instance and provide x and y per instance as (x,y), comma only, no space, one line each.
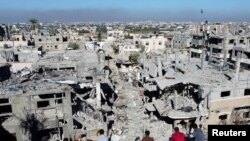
(177,135)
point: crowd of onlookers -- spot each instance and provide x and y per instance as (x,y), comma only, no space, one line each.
(177,135)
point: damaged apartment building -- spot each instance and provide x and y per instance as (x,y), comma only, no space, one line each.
(74,93)
(40,103)
(192,91)
(48,43)
(209,85)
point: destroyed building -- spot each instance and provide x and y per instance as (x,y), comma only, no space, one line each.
(73,93)
(57,42)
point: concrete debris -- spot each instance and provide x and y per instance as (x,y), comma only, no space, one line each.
(153,82)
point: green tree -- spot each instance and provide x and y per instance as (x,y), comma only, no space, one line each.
(2,32)
(128,37)
(82,32)
(99,37)
(53,30)
(33,23)
(23,37)
(102,29)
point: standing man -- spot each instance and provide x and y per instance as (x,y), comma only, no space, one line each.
(147,137)
(102,137)
(177,135)
(198,133)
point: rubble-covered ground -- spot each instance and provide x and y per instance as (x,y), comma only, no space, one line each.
(116,99)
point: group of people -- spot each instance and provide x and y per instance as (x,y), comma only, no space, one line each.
(103,137)
(197,135)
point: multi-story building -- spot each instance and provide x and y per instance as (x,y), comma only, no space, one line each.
(57,42)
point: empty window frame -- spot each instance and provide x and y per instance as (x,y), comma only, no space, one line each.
(42,104)
(225,93)
(4,100)
(246,115)
(231,41)
(223,117)
(241,41)
(5,109)
(247,92)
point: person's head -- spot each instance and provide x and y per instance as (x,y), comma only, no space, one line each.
(101,131)
(147,133)
(65,139)
(200,125)
(195,126)
(176,129)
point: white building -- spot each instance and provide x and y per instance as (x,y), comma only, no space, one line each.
(152,43)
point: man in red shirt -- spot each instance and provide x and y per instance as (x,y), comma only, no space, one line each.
(177,135)
(147,137)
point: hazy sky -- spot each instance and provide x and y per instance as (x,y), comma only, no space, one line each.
(124,10)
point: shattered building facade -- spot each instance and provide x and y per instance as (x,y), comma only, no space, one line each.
(74,93)
(57,42)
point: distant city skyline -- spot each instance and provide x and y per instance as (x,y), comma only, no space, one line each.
(123,10)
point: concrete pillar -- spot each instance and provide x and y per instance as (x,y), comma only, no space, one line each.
(210,54)
(190,55)
(225,58)
(153,99)
(166,55)
(139,76)
(233,55)
(106,74)
(202,58)
(108,60)
(205,102)
(159,67)
(144,60)
(176,60)
(67,107)
(175,123)
(175,100)
(144,70)
(98,95)
(19,103)
(237,66)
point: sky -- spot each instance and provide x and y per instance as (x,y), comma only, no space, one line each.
(124,10)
